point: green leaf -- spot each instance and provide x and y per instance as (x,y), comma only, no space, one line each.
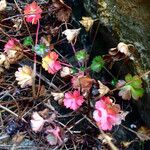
(137,93)
(137,82)
(134,81)
(41,49)
(97,64)
(114,82)
(128,77)
(81,55)
(82,68)
(134,86)
(28,41)
(74,70)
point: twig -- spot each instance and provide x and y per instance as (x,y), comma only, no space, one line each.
(8,110)
(105,136)
(141,136)
(109,142)
(20,10)
(1,30)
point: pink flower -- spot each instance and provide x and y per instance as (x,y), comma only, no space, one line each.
(50,63)
(32,13)
(106,114)
(12,44)
(73,100)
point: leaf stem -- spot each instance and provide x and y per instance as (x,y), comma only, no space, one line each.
(146,73)
(34,65)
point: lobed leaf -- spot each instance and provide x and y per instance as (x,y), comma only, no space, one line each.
(97,64)
(28,41)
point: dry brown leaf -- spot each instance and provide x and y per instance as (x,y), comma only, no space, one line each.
(37,122)
(46,40)
(18,137)
(125,92)
(122,51)
(2,58)
(3,5)
(143,133)
(17,23)
(24,76)
(85,83)
(123,48)
(87,22)
(44,113)
(2,79)
(4,63)
(71,34)
(103,89)
(101,137)
(61,10)
(66,71)
(58,97)
(41,91)
(126,144)
(13,56)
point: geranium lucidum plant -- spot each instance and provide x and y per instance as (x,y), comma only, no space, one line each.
(132,87)
(32,13)
(106,114)
(50,63)
(97,64)
(73,100)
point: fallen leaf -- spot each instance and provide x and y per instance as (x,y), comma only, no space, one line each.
(116,54)
(58,97)
(18,138)
(2,58)
(46,40)
(143,133)
(4,63)
(66,71)
(3,5)
(103,89)
(18,21)
(61,10)
(44,113)
(85,83)
(24,76)
(41,90)
(87,22)
(123,48)
(37,122)
(71,34)
(126,144)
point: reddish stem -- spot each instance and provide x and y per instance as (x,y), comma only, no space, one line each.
(65,64)
(34,66)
